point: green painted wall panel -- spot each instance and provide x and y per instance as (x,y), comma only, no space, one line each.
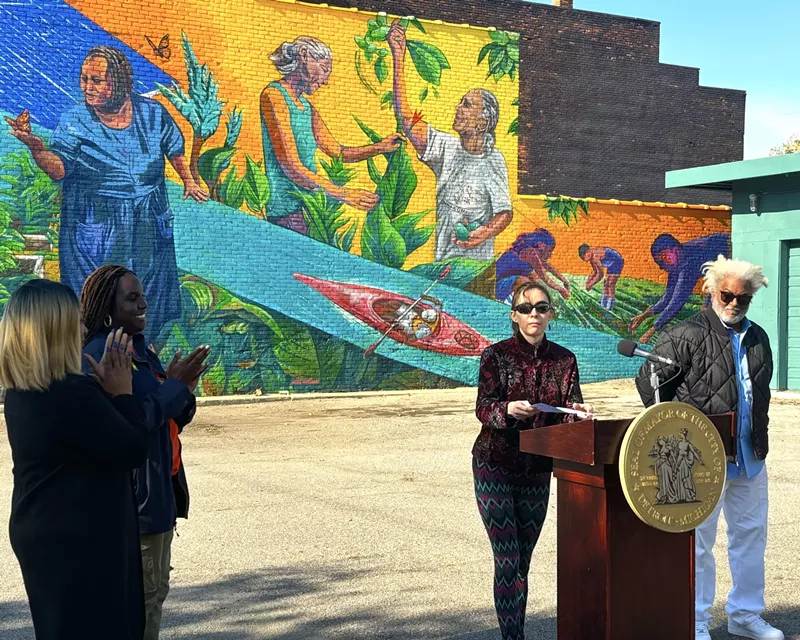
(765,239)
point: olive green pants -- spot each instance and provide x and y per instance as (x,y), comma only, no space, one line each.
(156,555)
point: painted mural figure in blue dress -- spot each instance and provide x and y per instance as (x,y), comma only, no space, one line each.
(683,262)
(607,267)
(293,131)
(528,260)
(108,154)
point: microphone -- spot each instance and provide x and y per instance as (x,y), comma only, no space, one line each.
(629,349)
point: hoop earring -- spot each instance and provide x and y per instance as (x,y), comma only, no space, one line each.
(107,321)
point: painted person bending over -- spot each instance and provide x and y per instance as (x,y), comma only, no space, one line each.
(528,260)
(513,488)
(471,175)
(607,265)
(113,298)
(683,262)
(293,131)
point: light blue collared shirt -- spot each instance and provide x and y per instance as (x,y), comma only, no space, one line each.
(747,464)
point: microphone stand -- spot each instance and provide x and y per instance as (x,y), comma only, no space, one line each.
(654,383)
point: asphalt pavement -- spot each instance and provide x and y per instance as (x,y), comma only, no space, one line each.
(354,517)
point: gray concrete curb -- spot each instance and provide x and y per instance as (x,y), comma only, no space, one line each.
(299,397)
(779,397)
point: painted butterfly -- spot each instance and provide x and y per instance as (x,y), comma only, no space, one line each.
(161,50)
(22,123)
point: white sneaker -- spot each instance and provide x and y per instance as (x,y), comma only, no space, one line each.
(757,628)
(701,631)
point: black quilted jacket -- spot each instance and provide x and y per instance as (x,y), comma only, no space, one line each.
(704,375)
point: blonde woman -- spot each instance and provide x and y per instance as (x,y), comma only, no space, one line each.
(74,441)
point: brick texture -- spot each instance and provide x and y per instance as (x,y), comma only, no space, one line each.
(291,282)
(599,114)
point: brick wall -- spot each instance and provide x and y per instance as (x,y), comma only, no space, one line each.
(291,291)
(599,114)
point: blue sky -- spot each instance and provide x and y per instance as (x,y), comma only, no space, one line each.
(739,44)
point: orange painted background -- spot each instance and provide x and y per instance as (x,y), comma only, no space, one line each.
(230,38)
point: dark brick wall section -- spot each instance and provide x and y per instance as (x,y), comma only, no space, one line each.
(599,115)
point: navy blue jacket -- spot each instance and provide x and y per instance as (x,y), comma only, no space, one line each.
(160,496)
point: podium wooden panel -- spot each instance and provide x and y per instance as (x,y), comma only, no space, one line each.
(618,578)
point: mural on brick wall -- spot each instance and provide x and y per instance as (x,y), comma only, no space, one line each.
(326,197)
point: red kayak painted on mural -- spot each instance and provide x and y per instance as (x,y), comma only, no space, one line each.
(423,325)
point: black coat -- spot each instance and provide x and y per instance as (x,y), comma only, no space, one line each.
(73,522)
(160,495)
(705,373)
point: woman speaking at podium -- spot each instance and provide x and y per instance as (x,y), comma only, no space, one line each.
(513,488)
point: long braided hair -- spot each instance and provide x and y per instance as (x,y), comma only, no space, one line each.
(99,297)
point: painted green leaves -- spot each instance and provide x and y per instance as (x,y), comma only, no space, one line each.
(390,234)
(306,359)
(11,243)
(337,172)
(325,220)
(255,187)
(214,162)
(513,128)
(565,209)
(30,203)
(236,331)
(428,59)
(201,107)
(380,241)
(502,55)
(233,126)
(373,50)
(230,191)
(211,165)
(323,214)
(251,189)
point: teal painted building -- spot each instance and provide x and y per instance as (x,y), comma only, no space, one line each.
(765,230)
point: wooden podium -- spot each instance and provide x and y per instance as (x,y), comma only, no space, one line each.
(618,578)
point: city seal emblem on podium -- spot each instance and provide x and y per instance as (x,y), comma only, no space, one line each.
(672,467)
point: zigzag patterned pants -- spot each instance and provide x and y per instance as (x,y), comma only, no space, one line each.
(513,507)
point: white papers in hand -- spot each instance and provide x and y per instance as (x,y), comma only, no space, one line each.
(546,408)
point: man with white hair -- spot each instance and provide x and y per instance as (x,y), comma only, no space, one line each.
(724,364)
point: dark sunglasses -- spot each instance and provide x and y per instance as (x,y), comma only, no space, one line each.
(526,308)
(743,299)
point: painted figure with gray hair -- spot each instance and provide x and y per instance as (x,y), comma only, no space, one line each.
(723,364)
(293,131)
(473,199)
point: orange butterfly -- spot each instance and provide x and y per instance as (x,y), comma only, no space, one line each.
(21,124)
(161,50)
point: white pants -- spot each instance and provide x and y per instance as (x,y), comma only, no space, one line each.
(745,503)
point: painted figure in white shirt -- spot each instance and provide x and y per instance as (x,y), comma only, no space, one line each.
(471,175)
